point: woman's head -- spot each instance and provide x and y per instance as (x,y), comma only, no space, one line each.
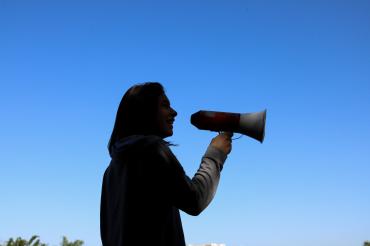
(144,110)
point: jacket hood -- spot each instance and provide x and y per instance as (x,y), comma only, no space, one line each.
(132,143)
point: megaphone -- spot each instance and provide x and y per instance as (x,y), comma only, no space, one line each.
(250,124)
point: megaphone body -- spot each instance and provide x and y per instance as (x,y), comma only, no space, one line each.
(250,124)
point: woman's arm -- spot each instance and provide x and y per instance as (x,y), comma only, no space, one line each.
(190,195)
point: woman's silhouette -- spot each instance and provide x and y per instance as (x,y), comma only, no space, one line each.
(144,185)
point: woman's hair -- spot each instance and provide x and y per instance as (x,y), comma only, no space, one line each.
(137,112)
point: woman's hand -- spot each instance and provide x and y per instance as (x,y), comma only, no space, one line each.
(223,142)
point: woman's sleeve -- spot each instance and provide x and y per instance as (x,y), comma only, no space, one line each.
(190,195)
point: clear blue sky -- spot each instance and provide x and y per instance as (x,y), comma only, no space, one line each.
(66,64)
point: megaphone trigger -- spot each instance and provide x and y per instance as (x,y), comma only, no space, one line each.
(232,135)
(228,133)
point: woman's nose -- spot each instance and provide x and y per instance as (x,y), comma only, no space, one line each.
(174,113)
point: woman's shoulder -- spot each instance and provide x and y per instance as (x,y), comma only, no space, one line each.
(157,145)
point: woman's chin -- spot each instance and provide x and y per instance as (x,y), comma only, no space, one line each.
(168,133)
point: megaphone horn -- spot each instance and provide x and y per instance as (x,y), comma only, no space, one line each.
(253,125)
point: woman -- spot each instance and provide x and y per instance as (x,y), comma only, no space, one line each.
(144,185)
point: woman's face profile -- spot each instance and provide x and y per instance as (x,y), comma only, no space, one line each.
(166,117)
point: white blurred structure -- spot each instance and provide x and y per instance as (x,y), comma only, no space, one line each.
(208,244)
